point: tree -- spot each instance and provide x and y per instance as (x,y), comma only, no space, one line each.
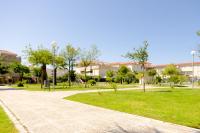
(40,57)
(140,55)
(59,61)
(37,73)
(183,78)
(70,55)
(130,77)
(110,75)
(172,72)
(3,69)
(87,58)
(20,69)
(152,73)
(122,72)
(158,79)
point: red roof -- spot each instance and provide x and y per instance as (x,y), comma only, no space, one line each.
(126,63)
(178,64)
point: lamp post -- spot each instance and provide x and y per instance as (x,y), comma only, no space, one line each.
(193,53)
(54,49)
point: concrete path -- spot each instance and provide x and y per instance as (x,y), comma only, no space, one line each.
(48,112)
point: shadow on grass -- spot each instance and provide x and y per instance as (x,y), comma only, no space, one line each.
(163,91)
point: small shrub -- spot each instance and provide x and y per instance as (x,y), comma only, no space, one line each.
(92,82)
(20,84)
(113,86)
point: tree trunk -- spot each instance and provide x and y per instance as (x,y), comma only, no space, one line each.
(21,77)
(85,78)
(55,76)
(143,84)
(44,74)
(36,80)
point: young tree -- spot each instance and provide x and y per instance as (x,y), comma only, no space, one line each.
(59,61)
(20,69)
(130,77)
(172,72)
(151,72)
(87,58)
(110,75)
(70,55)
(141,56)
(122,72)
(41,57)
(183,78)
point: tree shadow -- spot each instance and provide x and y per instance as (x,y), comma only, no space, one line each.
(164,91)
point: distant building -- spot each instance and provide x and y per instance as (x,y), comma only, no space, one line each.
(185,69)
(100,68)
(7,58)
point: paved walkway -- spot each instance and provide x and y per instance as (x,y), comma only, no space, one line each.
(48,112)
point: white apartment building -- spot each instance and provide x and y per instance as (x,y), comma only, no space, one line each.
(100,68)
(185,68)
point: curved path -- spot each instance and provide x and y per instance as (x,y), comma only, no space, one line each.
(48,112)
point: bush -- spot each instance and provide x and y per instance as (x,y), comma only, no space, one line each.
(97,78)
(118,79)
(92,82)
(20,84)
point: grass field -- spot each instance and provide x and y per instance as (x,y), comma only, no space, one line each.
(180,106)
(65,87)
(6,126)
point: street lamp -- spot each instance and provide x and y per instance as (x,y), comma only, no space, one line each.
(193,53)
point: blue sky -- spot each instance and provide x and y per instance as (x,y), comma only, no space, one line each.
(115,26)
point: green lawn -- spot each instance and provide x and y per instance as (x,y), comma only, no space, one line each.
(65,87)
(180,106)
(6,126)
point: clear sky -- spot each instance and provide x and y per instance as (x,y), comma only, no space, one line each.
(115,26)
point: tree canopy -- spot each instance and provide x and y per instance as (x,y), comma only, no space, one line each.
(87,57)
(140,55)
(42,57)
(3,69)
(70,55)
(171,70)
(20,69)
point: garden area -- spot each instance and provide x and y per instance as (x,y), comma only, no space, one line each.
(179,106)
